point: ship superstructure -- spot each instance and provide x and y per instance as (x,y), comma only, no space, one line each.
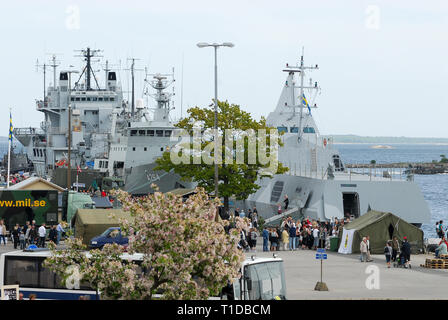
(108,135)
(92,111)
(317,184)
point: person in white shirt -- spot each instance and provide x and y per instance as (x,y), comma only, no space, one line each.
(42,234)
(316,237)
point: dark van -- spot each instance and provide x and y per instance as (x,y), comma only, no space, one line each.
(111,235)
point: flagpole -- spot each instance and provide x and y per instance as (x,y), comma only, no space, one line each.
(9,160)
(9,148)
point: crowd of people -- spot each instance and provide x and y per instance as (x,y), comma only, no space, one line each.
(30,233)
(301,234)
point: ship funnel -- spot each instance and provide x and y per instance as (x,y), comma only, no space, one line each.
(63,80)
(140,104)
(111,81)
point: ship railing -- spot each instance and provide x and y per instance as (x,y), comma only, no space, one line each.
(27,131)
(363,173)
(377,172)
(40,104)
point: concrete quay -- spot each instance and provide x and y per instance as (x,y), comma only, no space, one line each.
(349,278)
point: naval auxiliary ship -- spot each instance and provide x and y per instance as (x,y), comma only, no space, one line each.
(317,184)
(107,135)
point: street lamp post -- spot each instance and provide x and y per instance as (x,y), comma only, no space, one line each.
(216,46)
(69,166)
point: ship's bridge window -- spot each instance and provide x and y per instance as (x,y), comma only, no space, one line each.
(150,133)
(309,130)
(141,132)
(72,99)
(77,99)
(88,98)
(106,98)
(133,133)
(282,129)
(294,130)
(83,99)
(112,99)
(167,133)
(94,98)
(159,133)
(100,98)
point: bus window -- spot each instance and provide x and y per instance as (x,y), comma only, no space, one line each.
(21,270)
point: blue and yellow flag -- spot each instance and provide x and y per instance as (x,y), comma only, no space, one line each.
(10,126)
(305,102)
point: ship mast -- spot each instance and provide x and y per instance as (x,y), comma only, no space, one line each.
(88,55)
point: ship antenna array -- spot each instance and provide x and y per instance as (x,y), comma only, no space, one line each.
(133,69)
(301,69)
(44,69)
(88,54)
(54,64)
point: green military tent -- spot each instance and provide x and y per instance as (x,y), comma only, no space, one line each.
(381,227)
(90,223)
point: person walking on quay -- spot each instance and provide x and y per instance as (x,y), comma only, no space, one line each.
(406,252)
(274,241)
(292,237)
(53,234)
(22,240)
(316,237)
(42,235)
(2,232)
(15,236)
(369,258)
(388,252)
(253,239)
(285,239)
(286,202)
(441,231)
(265,234)
(395,248)
(363,249)
(60,230)
(32,235)
(442,248)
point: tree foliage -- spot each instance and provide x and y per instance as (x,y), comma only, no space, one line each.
(186,254)
(236,179)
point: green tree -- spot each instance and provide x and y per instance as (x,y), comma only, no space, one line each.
(443,159)
(236,179)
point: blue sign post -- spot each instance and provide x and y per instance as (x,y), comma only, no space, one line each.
(321,255)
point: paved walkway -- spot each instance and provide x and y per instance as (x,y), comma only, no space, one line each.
(346,277)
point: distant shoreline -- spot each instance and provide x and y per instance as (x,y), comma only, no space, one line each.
(395,143)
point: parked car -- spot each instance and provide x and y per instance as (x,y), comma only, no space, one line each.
(111,235)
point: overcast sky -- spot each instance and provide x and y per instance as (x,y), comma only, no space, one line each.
(383,64)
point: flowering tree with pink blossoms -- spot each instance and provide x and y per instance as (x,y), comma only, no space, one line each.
(186,253)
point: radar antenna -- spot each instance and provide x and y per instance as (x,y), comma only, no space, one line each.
(88,54)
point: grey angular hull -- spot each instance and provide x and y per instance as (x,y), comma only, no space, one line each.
(138,180)
(325,199)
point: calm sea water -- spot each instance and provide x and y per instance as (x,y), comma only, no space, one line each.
(434,187)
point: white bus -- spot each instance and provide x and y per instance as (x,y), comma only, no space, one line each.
(24,268)
(260,278)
